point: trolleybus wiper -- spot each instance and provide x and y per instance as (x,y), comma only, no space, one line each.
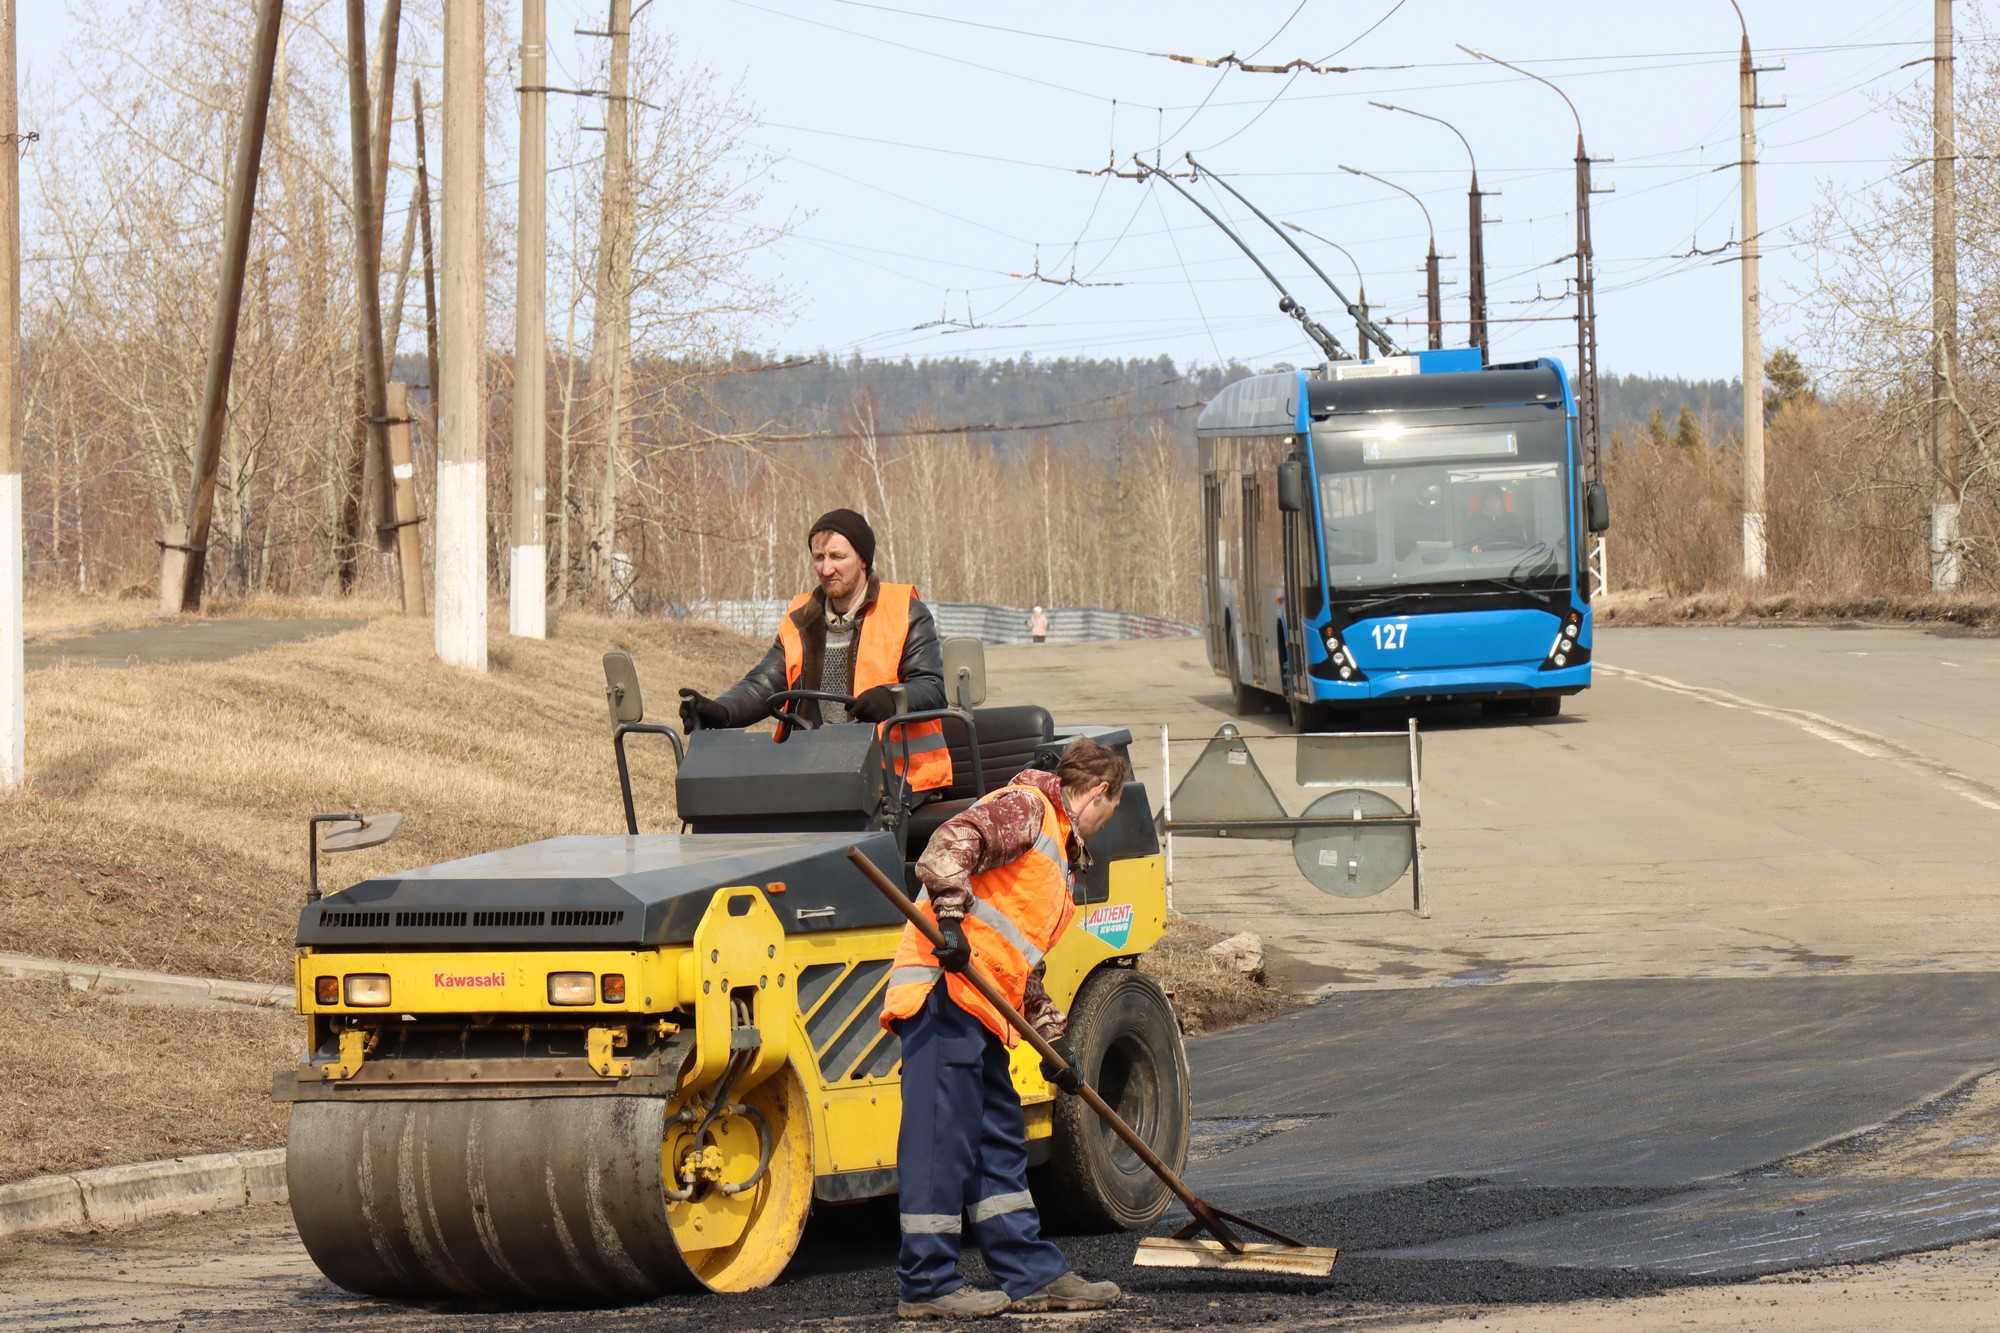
(1360,315)
(1512,586)
(1314,330)
(1370,605)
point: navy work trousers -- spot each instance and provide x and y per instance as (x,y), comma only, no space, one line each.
(962,1154)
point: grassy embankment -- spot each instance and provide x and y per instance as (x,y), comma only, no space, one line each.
(1966,611)
(163,828)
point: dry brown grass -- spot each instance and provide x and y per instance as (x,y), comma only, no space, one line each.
(93,1082)
(1208,995)
(1969,611)
(164,822)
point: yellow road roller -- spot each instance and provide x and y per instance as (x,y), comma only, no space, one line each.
(603,1068)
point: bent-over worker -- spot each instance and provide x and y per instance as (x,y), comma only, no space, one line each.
(853,635)
(998,882)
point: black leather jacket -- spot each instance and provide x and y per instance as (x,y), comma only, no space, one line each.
(921,673)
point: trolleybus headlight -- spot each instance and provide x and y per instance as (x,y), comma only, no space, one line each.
(572,987)
(1561,660)
(366,990)
(326,990)
(613,988)
(1345,672)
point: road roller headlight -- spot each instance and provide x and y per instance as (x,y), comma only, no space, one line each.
(326,990)
(366,990)
(573,987)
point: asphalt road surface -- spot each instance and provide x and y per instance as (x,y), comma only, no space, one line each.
(1706,992)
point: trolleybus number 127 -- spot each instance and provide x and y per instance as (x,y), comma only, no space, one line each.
(1389,637)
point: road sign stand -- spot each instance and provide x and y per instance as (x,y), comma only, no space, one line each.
(1353,842)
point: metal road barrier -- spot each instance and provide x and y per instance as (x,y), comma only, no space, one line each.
(989,624)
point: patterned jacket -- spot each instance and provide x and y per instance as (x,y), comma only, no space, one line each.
(989,835)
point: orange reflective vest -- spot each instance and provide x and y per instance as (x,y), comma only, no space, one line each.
(878,660)
(1018,912)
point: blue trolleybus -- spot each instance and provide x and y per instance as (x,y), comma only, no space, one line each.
(1412,529)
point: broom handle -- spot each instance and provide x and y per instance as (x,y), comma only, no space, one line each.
(984,985)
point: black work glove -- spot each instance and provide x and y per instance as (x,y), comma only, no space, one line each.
(956,955)
(1070,1079)
(698,709)
(876,705)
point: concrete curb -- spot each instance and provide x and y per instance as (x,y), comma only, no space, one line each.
(116,1196)
(149,987)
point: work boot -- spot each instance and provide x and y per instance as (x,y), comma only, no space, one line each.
(1070,1292)
(959,1303)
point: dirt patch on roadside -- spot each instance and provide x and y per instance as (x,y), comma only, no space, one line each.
(1965,612)
(96,1082)
(1208,994)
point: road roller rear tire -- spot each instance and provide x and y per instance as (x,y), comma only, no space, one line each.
(541,1199)
(1129,1046)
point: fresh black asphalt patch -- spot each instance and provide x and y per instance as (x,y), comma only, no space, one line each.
(1490,1146)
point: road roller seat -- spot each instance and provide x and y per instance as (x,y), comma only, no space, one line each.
(1010,738)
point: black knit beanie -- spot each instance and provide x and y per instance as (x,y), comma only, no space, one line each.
(851,526)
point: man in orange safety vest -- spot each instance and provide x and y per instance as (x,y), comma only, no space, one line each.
(852,635)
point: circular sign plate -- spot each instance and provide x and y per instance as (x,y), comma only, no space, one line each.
(1358,861)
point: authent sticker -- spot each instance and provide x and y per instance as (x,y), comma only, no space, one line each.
(1329,856)
(1239,756)
(1111,923)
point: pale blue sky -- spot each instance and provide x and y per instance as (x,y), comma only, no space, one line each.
(937,158)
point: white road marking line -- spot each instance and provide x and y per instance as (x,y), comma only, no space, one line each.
(1864,743)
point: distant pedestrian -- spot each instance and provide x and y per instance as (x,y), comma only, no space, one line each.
(1038,625)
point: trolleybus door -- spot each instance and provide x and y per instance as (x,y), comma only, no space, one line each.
(1251,604)
(1211,568)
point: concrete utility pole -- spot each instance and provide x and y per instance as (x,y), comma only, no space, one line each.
(1475,235)
(1753,326)
(612,320)
(460,626)
(367,272)
(184,551)
(527,585)
(13,665)
(1944,308)
(1433,299)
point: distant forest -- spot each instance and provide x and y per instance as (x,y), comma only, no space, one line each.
(1082,400)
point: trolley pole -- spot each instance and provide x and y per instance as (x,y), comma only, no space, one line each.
(460,626)
(1944,308)
(13,665)
(527,583)
(184,551)
(1753,333)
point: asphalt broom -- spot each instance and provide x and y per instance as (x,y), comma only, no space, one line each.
(1222,1248)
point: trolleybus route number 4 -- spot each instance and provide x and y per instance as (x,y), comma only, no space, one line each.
(1389,637)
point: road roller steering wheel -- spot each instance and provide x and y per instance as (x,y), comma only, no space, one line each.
(783,707)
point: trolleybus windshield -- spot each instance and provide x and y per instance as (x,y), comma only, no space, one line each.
(1408,501)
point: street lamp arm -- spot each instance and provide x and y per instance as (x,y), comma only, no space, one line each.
(1424,115)
(1428,228)
(1481,55)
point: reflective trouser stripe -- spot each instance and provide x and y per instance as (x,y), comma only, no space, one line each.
(987,1209)
(1004,926)
(931,1224)
(915,976)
